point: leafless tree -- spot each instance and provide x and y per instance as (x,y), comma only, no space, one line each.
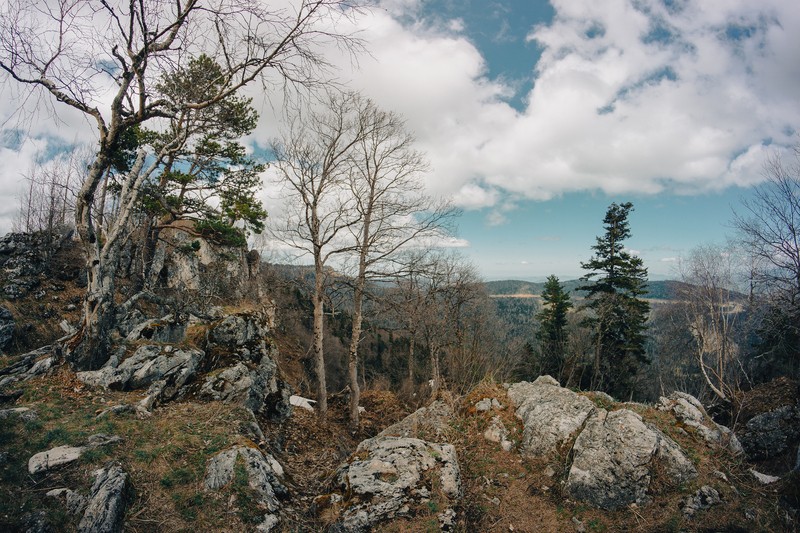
(312,163)
(392,210)
(712,308)
(103,59)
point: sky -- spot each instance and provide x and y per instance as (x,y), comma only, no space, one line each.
(537,115)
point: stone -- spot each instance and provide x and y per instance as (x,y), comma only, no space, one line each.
(613,458)
(432,422)
(688,409)
(705,498)
(551,415)
(105,511)
(303,403)
(385,475)
(73,501)
(772,433)
(166,329)
(264,475)
(61,455)
(30,365)
(7,326)
(764,479)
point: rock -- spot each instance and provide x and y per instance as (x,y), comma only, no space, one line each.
(497,432)
(264,475)
(105,511)
(7,326)
(691,413)
(73,501)
(764,479)
(166,329)
(252,379)
(705,498)
(148,365)
(551,415)
(36,522)
(613,457)
(303,403)
(386,476)
(61,455)
(30,365)
(772,433)
(487,404)
(432,422)
(25,413)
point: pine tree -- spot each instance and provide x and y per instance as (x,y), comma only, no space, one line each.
(553,321)
(617,280)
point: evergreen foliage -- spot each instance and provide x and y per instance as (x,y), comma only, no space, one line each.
(616,281)
(553,322)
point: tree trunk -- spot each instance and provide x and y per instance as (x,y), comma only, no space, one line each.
(319,354)
(435,373)
(411,346)
(352,360)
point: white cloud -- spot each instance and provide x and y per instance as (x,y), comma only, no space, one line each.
(669,259)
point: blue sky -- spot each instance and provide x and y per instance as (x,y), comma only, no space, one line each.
(536,115)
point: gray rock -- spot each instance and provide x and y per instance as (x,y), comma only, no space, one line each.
(771,434)
(105,512)
(165,329)
(30,365)
(7,326)
(613,458)
(252,378)
(61,455)
(487,404)
(432,422)
(386,476)
(691,413)
(264,475)
(148,365)
(73,501)
(705,498)
(551,415)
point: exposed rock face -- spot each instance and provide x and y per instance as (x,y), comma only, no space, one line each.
(61,455)
(149,364)
(613,458)
(705,498)
(431,422)
(73,501)
(772,433)
(252,379)
(166,329)
(105,511)
(551,415)
(178,263)
(691,413)
(390,474)
(31,364)
(264,475)
(7,326)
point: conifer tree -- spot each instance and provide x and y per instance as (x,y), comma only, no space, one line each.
(615,283)
(553,321)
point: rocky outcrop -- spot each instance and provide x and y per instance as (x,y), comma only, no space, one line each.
(166,365)
(689,411)
(431,422)
(61,455)
(166,329)
(772,433)
(7,326)
(74,502)
(30,365)
(388,476)
(264,475)
(105,511)
(551,415)
(705,498)
(614,457)
(252,377)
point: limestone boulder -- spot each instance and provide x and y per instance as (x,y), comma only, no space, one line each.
(105,510)
(614,457)
(772,433)
(35,363)
(389,475)
(551,415)
(7,326)
(689,411)
(61,455)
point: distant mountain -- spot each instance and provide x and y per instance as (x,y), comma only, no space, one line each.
(657,290)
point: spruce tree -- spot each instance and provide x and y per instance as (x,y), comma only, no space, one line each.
(615,283)
(553,321)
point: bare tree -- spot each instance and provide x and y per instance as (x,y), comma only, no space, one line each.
(312,163)
(712,309)
(104,59)
(392,210)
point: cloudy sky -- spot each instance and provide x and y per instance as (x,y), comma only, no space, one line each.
(537,115)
